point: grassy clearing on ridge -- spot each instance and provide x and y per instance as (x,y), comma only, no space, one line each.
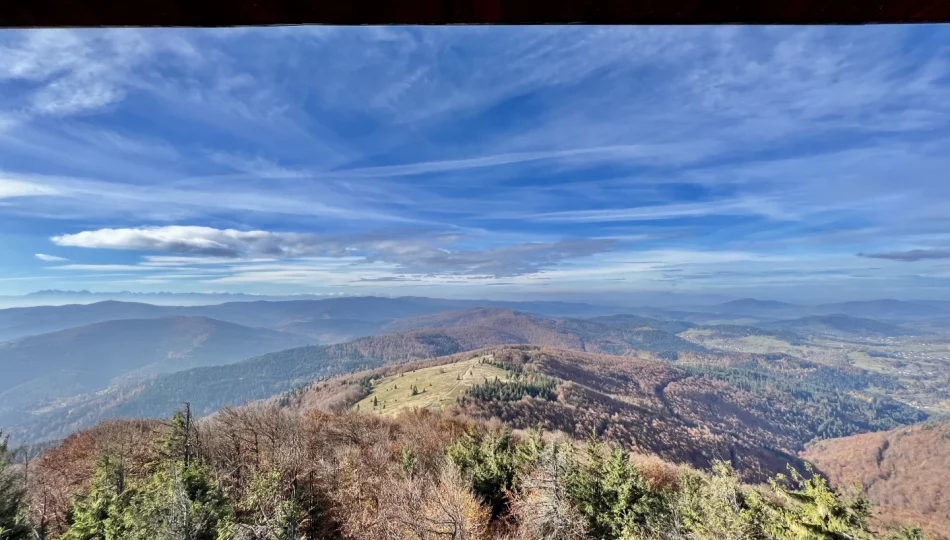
(436,387)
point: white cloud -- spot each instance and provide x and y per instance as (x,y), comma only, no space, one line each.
(187,199)
(104,267)
(76,94)
(619,153)
(18,188)
(741,206)
(256,166)
(424,254)
(173,261)
(50,258)
(654,135)
(74,73)
(183,239)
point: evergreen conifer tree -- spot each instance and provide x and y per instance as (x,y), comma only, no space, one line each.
(13,522)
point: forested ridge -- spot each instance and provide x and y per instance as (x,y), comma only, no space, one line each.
(298,463)
(42,368)
(210,388)
(685,412)
(269,473)
(903,471)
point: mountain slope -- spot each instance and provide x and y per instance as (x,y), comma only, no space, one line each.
(904,471)
(678,412)
(670,326)
(610,335)
(838,325)
(887,309)
(210,388)
(761,308)
(330,331)
(87,358)
(20,322)
(723,335)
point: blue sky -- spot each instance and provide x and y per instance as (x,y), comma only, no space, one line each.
(558,162)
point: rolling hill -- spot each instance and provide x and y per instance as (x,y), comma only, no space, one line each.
(839,325)
(888,309)
(767,380)
(736,331)
(610,335)
(20,322)
(46,367)
(757,308)
(671,326)
(752,311)
(209,388)
(681,413)
(434,388)
(905,472)
(330,331)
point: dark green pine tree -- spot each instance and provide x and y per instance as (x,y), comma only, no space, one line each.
(488,462)
(815,511)
(90,515)
(178,501)
(613,495)
(13,522)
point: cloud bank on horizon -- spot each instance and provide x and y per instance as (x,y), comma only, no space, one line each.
(788,163)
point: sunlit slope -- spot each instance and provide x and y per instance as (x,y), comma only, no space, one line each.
(430,388)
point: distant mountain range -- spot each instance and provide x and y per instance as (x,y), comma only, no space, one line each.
(54,297)
(749,381)
(40,369)
(73,365)
(326,319)
(302,316)
(874,309)
(840,325)
(209,388)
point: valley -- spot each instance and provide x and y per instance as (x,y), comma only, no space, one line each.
(743,385)
(920,363)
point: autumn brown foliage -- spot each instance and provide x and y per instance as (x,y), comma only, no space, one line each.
(903,471)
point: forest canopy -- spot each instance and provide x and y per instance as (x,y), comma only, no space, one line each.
(271,473)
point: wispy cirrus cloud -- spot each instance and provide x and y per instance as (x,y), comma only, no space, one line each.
(103,267)
(50,258)
(521,152)
(912,255)
(76,198)
(256,166)
(667,211)
(416,254)
(73,71)
(18,188)
(234,243)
